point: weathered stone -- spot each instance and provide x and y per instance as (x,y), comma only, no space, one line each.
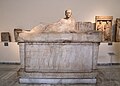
(84,26)
(89,36)
(59,55)
(56,81)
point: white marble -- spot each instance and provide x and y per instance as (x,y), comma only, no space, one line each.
(51,57)
(59,57)
(91,36)
(57,81)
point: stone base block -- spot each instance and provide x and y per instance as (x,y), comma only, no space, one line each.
(89,75)
(56,81)
(57,78)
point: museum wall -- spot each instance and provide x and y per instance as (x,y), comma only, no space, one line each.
(25,14)
(10,53)
(109,53)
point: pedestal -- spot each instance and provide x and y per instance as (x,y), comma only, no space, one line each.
(59,58)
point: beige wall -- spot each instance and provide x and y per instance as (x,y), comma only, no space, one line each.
(28,13)
(10,53)
(105,49)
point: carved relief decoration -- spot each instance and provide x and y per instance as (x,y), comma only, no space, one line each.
(104,24)
(118,29)
(5,37)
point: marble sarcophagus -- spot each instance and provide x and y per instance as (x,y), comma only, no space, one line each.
(59,57)
(64,52)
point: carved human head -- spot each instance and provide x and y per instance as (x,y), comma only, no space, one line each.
(68,13)
(107,22)
(100,22)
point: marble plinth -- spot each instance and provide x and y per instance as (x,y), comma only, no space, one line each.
(57,78)
(57,81)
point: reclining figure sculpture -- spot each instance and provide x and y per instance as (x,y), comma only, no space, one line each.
(66,25)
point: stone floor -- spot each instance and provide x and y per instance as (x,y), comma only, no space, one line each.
(107,76)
